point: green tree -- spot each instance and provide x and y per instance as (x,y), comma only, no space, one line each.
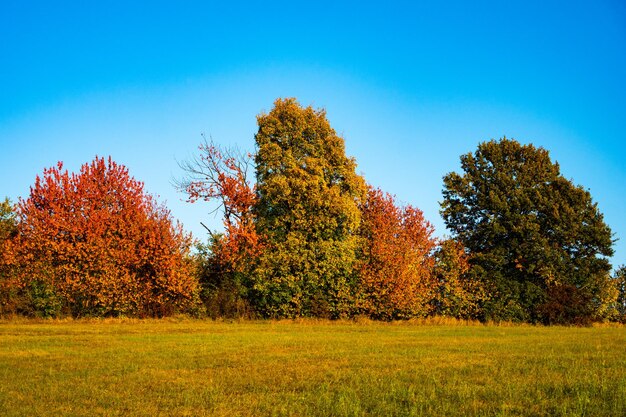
(535,239)
(223,290)
(308,212)
(8,222)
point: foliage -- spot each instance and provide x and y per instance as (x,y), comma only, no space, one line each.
(41,300)
(9,302)
(223,289)
(309,239)
(537,241)
(219,176)
(8,227)
(98,242)
(307,212)
(619,280)
(458,294)
(395,279)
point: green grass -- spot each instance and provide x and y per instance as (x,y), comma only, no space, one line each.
(187,367)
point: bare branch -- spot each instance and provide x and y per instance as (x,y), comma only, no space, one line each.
(219,175)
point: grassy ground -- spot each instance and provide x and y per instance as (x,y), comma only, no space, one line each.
(186,367)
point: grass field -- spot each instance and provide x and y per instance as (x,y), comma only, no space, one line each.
(187,367)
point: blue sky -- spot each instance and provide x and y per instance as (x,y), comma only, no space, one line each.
(410,86)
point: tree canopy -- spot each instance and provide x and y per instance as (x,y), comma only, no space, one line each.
(308,213)
(97,244)
(395,277)
(536,239)
(306,236)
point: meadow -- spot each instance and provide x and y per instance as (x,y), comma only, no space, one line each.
(308,368)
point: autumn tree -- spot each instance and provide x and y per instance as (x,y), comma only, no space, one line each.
(220,176)
(8,232)
(99,243)
(536,240)
(395,277)
(307,211)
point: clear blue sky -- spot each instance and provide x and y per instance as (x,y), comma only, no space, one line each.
(410,85)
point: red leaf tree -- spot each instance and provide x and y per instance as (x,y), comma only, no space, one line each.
(220,175)
(396,278)
(101,244)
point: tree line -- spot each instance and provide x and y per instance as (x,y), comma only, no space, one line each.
(305,236)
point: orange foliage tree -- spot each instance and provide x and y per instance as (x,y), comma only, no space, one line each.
(8,231)
(396,272)
(101,245)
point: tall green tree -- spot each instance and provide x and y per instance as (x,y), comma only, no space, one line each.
(537,240)
(307,211)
